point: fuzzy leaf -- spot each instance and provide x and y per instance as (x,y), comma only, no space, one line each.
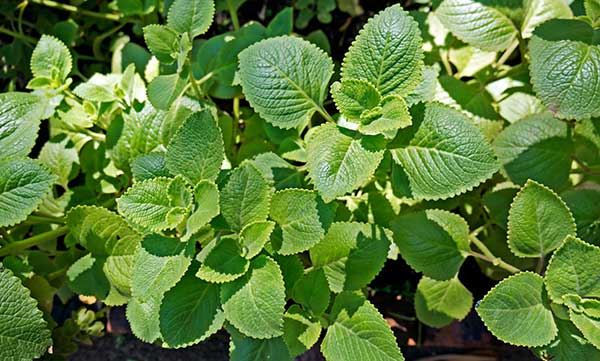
(191,16)
(312,291)
(196,151)
(23,186)
(340,161)
(255,236)
(589,326)
(245,348)
(60,158)
(448,299)
(254,304)
(434,242)
(206,197)
(224,262)
(352,97)
(50,59)
(299,331)
(390,115)
(538,12)
(446,156)
(23,332)
(20,115)
(515,311)
(162,41)
(165,89)
(387,53)
(285,79)
(148,166)
(143,317)
(570,344)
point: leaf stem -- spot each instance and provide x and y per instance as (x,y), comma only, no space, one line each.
(509,51)
(44,219)
(16,35)
(33,241)
(233,14)
(325,115)
(489,256)
(540,266)
(75,9)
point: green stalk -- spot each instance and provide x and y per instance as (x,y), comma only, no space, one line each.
(17,35)
(233,14)
(488,256)
(43,219)
(33,241)
(75,9)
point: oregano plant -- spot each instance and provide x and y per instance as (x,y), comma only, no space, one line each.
(251,182)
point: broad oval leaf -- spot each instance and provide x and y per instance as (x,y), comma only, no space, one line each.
(254,237)
(162,41)
(446,155)
(23,186)
(437,303)
(538,221)
(516,312)
(20,115)
(191,16)
(285,79)
(589,326)
(166,89)
(245,348)
(352,97)
(51,59)
(223,261)
(539,11)
(143,317)
(206,198)
(387,53)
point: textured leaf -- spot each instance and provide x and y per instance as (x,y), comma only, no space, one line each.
(299,332)
(206,197)
(519,105)
(476,24)
(285,79)
(312,291)
(23,186)
(564,57)
(159,264)
(60,158)
(150,204)
(143,317)
(23,331)
(50,59)
(340,161)
(359,333)
(351,254)
(277,171)
(538,221)
(434,242)
(224,262)
(498,204)
(570,344)
(446,156)
(589,327)
(583,203)
(449,298)
(537,147)
(539,11)
(352,97)
(165,89)
(245,197)
(573,269)
(254,236)
(387,53)
(162,41)
(296,212)
(243,348)
(191,16)
(390,115)
(190,312)
(515,311)
(148,166)
(254,304)
(196,151)
(20,115)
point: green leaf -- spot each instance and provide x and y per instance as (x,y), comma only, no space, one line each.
(296,212)
(538,221)
(340,161)
(224,262)
(162,41)
(538,12)
(299,332)
(390,115)
(583,203)
(592,9)
(359,333)
(190,312)
(191,16)
(497,203)
(536,147)
(254,236)
(243,348)
(277,171)
(476,24)
(20,115)
(206,197)
(87,278)
(61,159)
(519,105)
(312,291)
(159,264)
(589,327)
(446,155)
(570,344)
(151,205)
(516,312)
(23,332)
(274,75)
(434,242)
(573,269)
(245,197)
(165,89)
(196,151)
(51,59)
(255,303)
(387,53)
(148,166)
(564,56)
(445,299)
(282,23)
(352,97)
(351,254)
(143,317)
(23,186)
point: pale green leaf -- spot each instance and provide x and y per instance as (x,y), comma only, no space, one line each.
(539,11)
(299,332)
(352,97)
(387,53)
(519,105)
(196,151)
(162,41)
(339,161)
(477,24)
(445,155)
(24,334)
(243,348)
(516,312)
(148,166)
(191,16)
(589,327)
(51,59)
(434,242)
(224,262)
(206,198)
(23,186)
(254,236)
(61,159)
(254,304)
(245,197)
(20,115)
(448,298)
(143,317)
(285,79)
(312,291)
(570,344)
(165,89)
(390,115)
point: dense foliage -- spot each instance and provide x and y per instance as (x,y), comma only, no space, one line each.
(246,181)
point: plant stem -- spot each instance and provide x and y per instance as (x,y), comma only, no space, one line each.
(233,14)
(325,115)
(75,9)
(33,241)
(43,219)
(540,265)
(16,35)
(482,247)
(496,262)
(509,51)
